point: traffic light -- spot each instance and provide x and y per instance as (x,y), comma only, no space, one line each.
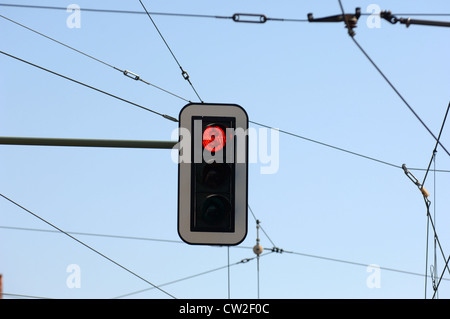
(212,174)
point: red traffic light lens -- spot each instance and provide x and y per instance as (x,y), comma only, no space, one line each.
(214,138)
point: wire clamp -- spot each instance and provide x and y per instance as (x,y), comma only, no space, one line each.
(277,250)
(131,75)
(422,189)
(388,16)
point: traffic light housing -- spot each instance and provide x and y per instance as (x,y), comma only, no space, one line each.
(212,174)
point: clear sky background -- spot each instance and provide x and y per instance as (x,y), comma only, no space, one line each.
(333,213)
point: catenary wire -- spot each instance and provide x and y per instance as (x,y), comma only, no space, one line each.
(173,119)
(148,13)
(430,222)
(426,127)
(169,14)
(168,117)
(94,234)
(268,249)
(435,147)
(354,263)
(188,15)
(385,77)
(251,211)
(398,93)
(85,245)
(22,296)
(339,148)
(434,273)
(242,261)
(125,72)
(385,163)
(183,72)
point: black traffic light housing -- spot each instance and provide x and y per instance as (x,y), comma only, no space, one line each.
(212,185)
(213,188)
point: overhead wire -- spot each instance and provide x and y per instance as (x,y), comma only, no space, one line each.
(384,76)
(427,202)
(242,261)
(434,272)
(22,296)
(399,95)
(436,241)
(271,249)
(86,245)
(430,222)
(187,15)
(259,224)
(171,118)
(124,72)
(186,76)
(254,122)
(168,117)
(183,72)
(437,142)
(386,163)
(268,249)
(169,14)
(341,149)
(356,263)
(94,234)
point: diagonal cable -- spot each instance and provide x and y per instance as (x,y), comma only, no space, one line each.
(242,261)
(183,72)
(124,72)
(387,80)
(168,117)
(437,141)
(85,245)
(339,148)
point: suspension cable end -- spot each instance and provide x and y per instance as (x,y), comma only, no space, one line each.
(424,192)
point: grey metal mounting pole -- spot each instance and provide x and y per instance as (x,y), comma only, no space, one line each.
(39,141)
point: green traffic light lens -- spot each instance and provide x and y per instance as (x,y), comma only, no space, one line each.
(216,211)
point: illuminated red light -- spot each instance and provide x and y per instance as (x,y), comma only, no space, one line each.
(214,138)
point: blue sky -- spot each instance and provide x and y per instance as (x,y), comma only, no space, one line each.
(333,213)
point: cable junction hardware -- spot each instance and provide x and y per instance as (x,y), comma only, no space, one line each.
(388,16)
(422,189)
(249,18)
(350,20)
(183,72)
